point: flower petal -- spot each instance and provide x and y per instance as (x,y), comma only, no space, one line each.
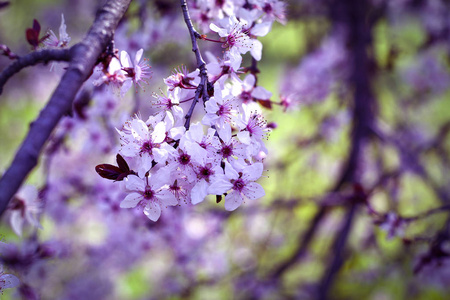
(233,200)
(152,211)
(131,200)
(199,192)
(253,191)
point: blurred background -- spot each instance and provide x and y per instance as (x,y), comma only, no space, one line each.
(357,183)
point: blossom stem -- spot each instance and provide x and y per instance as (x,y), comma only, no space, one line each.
(211,40)
(187,100)
(202,88)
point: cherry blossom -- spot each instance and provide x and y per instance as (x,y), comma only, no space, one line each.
(138,140)
(25,208)
(53,42)
(138,71)
(150,193)
(220,109)
(241,183)
(236,40)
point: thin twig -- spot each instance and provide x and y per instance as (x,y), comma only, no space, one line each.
(202,89)
(41,56)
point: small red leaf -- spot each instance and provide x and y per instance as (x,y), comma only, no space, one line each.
(122,163)
(36,27)
(266,103)
(108,171)
(32,37)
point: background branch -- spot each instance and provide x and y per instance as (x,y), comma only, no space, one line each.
(41,56)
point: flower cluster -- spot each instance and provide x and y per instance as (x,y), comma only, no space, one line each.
(121,74)
(176,156)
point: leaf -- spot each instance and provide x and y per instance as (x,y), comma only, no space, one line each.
(32,37)
(122,163)
(265,103)
(36,27)
(109,171)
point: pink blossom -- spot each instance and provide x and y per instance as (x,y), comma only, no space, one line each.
(236,39)
(241,183)
(53,42)
(138,140)
(24,208)
(149,193)
(220,109)
(138,71)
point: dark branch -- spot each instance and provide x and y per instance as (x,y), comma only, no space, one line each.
(84,56)
(337,253)
(202,89)
(41,56)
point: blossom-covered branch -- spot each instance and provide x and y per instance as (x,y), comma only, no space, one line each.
(41,56)
(84,56)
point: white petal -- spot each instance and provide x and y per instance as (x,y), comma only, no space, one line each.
(131,200)
(114,66)
(222,32)
(16,222)
(261,93)
(199,192)
(261,29)
(249,82)
(152,211)
(253,191)
(159,155)
(126,85)
(139,129)
(129,150)
(159,133)
(233,200)
(197,153)
(8,281)
(224,132)
(209,119)
(244,137)
(256,50)
(252,172)
(219,186)
(125,60)
(230,172)
(63,36)
(138,56)
(195,132)
(134,183)
(177,132)
(167,198)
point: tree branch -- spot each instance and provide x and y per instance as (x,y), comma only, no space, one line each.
(202,89)
(84,56)
(41,56)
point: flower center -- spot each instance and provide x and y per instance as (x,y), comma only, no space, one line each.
(227,151)
(184,159)
(238,185)
(148,194)
(246,96)
(147,147)
(205,172)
